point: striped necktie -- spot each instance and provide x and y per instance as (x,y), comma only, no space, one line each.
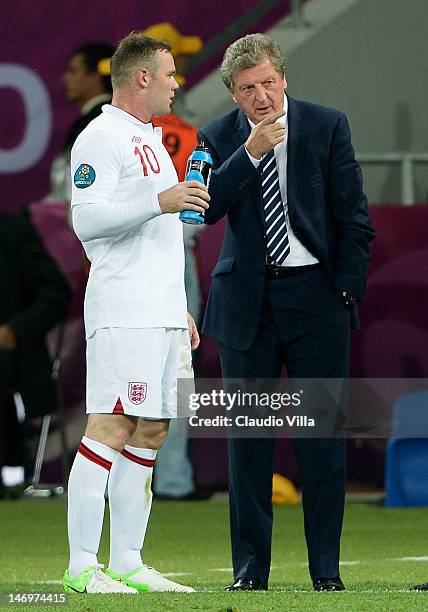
(277,244)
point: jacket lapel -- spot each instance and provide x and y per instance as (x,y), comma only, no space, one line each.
(242,129)
(241,134)
(297,132)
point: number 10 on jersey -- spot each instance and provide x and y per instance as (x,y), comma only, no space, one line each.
(148,158)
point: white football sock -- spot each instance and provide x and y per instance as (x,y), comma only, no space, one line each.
(86,489)
(130,499)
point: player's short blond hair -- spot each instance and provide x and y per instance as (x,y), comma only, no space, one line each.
(135,51)
(247,52)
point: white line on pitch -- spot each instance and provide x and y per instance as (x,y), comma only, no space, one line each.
(350,562)
(278,567)
(410,559)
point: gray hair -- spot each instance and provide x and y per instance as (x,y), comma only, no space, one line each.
(135,51)
(247,52)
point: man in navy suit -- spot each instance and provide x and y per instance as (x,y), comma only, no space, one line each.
(292,267)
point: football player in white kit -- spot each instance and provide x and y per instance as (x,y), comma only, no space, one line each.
(124,204)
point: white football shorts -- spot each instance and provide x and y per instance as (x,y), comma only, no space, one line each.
(135,371)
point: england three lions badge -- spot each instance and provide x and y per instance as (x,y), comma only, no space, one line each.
(137,392)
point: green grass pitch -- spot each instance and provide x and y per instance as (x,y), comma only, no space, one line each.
(384,552)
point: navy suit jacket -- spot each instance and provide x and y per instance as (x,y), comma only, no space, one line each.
(327,209)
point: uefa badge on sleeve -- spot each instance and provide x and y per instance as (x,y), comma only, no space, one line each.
(137,392)
(84,176)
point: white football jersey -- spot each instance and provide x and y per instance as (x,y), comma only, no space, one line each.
(118,167)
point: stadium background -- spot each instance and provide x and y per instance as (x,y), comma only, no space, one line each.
(364,57)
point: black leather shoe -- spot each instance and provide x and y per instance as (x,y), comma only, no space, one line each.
(329,584)
(420,587)
(246,584)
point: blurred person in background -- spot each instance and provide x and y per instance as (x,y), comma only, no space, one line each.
(174,472)
(34,297)
(87,83)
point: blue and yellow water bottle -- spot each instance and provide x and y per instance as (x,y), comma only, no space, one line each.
(198,168)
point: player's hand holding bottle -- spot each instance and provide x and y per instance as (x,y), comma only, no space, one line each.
(188,195)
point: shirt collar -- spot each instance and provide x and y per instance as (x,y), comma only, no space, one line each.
(282,119)
(121,114)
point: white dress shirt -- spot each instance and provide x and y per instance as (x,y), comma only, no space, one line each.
(299,255)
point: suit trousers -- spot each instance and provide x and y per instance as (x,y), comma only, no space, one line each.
(304,326)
